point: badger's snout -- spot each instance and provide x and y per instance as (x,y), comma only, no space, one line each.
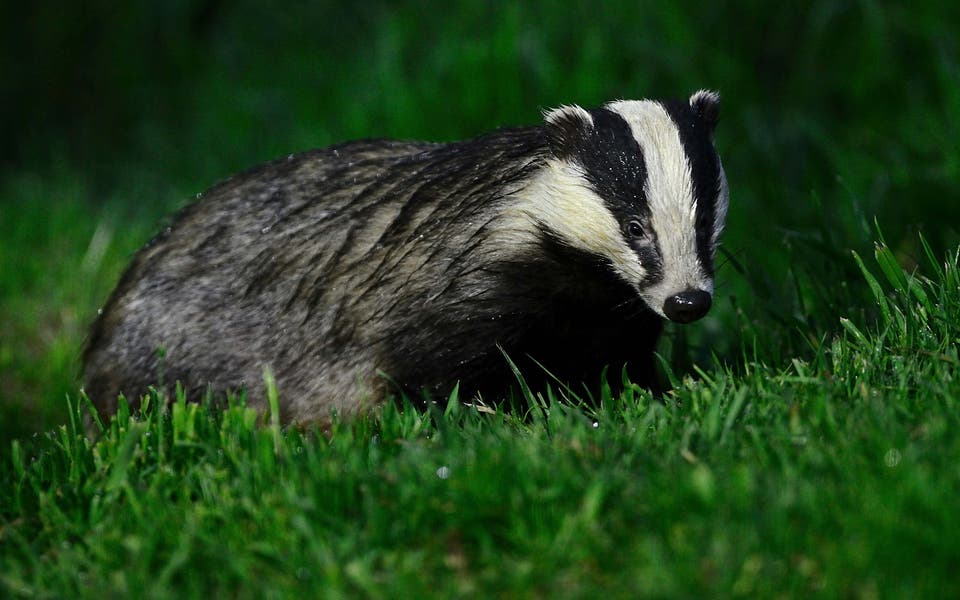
(687,306)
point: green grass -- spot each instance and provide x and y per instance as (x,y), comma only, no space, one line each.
(58,261)
(810,447)
(835,476)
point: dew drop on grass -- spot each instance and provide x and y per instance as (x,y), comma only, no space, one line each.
(443,472)
(596,424)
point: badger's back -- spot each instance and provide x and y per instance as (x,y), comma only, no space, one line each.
(322,266)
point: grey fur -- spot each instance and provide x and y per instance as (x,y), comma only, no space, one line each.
(376,256)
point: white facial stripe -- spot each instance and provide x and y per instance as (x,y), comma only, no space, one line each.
(669,193)
(559,199)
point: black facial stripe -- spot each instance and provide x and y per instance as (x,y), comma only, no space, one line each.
(614,165)
(650,259)
(615,168)
(697,140)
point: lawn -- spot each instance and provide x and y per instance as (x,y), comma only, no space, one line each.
(810,444)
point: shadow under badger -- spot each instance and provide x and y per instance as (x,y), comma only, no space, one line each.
(566,243)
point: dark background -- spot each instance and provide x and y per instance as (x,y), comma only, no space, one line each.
(837,117)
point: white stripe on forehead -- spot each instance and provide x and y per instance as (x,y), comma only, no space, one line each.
(670,196)
(669,184)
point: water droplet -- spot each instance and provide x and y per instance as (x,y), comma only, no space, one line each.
(596,424)
(443,472)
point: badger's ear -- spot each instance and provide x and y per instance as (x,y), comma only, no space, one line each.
(565,126)
(706,104)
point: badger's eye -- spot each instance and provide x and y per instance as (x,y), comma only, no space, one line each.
(635,229)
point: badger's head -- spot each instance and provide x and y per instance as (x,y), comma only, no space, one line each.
(638,185)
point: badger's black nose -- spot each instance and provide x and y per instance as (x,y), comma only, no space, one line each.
(688,306)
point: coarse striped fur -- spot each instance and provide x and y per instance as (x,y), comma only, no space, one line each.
(559,244)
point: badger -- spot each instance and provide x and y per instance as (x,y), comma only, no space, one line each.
(379,267)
